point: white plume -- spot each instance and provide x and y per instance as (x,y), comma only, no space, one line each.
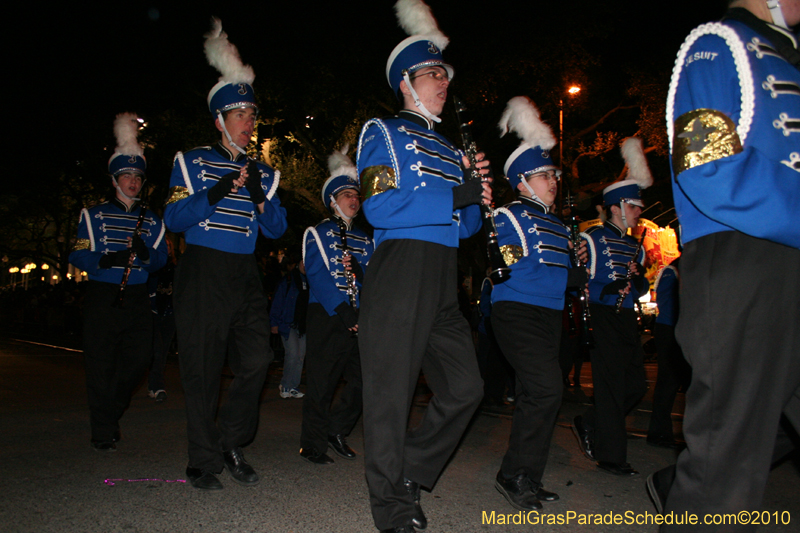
(601,213)
(522,117)
(633,154)
(224,56)
(416,18)
(341,165)
(126,128)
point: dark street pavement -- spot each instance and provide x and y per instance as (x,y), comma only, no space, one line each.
(52,481)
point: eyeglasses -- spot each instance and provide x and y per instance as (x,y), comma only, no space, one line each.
(549,175)
(347,195)
(436,75)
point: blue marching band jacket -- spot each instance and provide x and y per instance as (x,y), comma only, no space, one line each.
(104,229)
(666,287)
(407,172)
(232,224)
(733,121)
(610,251)
(535,244)
(322,254)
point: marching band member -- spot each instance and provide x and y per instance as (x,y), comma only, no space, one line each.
(527,308)
(221,199)
(416,199)
(335,268)
(617,364)
(117,339)
(672,368)
(732,121)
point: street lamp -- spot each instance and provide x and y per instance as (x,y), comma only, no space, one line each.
(572,91)
(13,271)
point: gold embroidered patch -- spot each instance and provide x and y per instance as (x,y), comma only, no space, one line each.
(82,244)
(702,136)
(177,194)
(511,253)
(377,179)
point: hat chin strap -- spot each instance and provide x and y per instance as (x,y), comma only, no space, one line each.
(340,212)
(418,102)
(624,218)
(777,14)
(228,135)
(533,194)
(119,190)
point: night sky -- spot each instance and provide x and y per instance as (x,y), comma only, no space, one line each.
(77,67)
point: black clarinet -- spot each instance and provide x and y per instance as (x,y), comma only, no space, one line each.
(124,283)
(629,274)
(585,318)
(349,277)
(499,271)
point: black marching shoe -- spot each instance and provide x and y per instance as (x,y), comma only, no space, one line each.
(418,521)
(664,442)
(104,446)
(313,456)
(408,528)
(546,495)
(658,485)
(338,444)
(621,469)
(240,471)
(584,440)
(518,491)
(203,479)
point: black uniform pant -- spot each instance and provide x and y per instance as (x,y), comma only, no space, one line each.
(116,347)
(530,336)
(331,354)
(740,310)
(410,321)
(672,373)
(220,307)
(619,380)
(163,331)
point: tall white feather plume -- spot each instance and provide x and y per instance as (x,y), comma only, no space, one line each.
(341,165)
(416,18)
(633,154)
(224,56)
(601,213)
(522,117)
(126,129)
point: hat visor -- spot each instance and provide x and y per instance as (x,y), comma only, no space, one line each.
(633,201)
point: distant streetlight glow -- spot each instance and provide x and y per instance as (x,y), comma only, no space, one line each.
(572,91)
